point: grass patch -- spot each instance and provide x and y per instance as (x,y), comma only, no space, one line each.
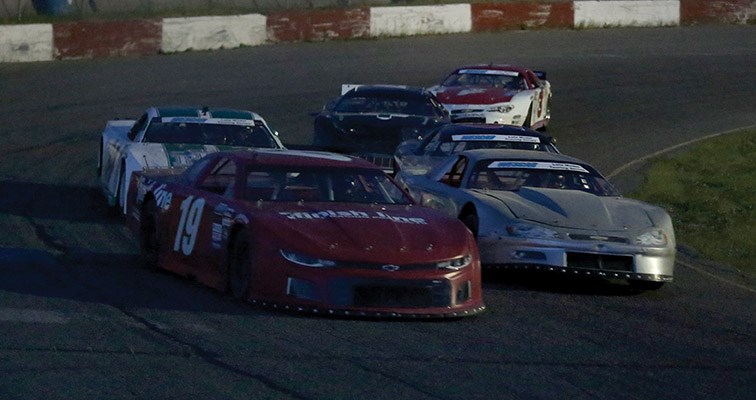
(710,192)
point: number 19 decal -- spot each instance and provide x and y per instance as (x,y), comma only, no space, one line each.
(191,214)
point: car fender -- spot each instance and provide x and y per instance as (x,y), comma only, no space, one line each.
(114,144)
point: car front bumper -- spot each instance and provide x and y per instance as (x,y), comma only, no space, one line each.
(605,260)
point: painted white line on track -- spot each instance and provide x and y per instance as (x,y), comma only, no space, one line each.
(31,315)
(719,278)
(668,149)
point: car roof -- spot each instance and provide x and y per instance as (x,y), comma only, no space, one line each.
(387,89)
(495,67)
(205,112)
(448,130)
(297,158)
(519,155)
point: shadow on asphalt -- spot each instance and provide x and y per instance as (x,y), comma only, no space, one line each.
(539,281)
(55,202)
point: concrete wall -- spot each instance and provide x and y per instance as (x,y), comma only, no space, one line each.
(106,38)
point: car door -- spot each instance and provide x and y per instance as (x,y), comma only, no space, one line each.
(187,222)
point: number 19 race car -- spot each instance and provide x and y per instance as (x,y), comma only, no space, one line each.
(171,137)
(317,232)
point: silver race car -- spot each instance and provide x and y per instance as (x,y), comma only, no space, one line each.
(173,137)
(419,156)
(550,212)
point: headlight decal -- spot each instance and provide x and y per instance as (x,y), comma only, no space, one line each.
(306,261)
(654,238)
(531,231)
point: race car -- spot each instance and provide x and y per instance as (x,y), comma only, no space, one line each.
(550,212)
(318,232)
(419,156)
(173,136)
(370,121)
(497,94)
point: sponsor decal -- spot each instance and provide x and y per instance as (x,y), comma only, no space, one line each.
(328,214)
(213,121)
(221,224)
(163,197)
(465,92)
(310,154)
(538,165)
(496,138)
(488,72)
(185,154)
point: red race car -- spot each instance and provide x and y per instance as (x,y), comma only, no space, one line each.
(306,231)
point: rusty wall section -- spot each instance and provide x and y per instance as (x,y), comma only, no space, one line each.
(717,11)
(94,39)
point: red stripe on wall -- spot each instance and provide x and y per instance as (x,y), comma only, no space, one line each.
(319,25)
(716,11)
(503,16)
(90,39)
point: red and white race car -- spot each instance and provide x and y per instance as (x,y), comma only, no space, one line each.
(497,94)
(306,231)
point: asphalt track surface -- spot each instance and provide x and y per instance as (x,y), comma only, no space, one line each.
(79,318)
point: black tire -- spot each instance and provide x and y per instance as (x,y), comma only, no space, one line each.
(471,222)
(646,285)
(239,263)
(149,234)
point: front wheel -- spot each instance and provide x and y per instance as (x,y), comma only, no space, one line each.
(471,222)
(239,263)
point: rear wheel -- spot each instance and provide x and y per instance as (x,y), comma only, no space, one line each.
(149,237)
(239,263)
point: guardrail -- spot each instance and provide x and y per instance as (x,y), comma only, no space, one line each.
(88,39)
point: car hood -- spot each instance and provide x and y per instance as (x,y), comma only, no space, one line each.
(370,233)
(573,209)
(160,155)
(474,95)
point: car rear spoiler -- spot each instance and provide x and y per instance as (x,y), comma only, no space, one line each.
(540,74)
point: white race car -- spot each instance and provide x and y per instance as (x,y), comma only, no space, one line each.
(171,137)
(497,94)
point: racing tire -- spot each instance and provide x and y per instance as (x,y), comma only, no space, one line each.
(239,262)
(149,235)
(471,222)
(645,285)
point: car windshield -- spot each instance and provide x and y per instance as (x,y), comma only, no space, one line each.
(439,147)
(513,175)
(247,134)
(387,104)
(502,79)
(323,185)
